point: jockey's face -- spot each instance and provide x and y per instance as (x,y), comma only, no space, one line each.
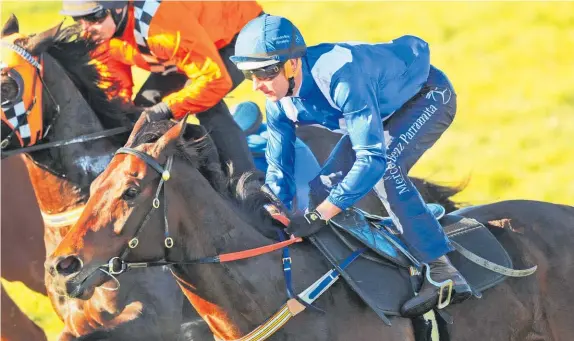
(274,88)
(99,26)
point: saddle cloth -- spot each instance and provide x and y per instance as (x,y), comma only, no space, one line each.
(382,278)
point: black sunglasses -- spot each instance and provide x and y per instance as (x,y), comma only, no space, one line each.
(94,18)
(266,73)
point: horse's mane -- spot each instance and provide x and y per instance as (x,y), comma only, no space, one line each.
(199,152)
(242,191)
(72,51)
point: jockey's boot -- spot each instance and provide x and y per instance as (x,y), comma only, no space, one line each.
(442,285)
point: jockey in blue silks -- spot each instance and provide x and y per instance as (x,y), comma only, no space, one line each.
(393,106)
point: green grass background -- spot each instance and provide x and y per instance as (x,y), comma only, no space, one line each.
(512,65)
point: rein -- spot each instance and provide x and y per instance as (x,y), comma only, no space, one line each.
(80,139)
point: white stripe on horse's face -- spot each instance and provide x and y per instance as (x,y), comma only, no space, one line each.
(67,218)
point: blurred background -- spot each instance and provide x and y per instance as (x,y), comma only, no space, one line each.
(511,63)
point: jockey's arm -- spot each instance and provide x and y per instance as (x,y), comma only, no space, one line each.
(195,54)
(358,103)
(115,75)
(280,154)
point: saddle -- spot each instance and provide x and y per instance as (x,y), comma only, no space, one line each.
(387,275)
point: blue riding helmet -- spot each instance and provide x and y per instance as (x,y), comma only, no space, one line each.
(80,8)
(267,40)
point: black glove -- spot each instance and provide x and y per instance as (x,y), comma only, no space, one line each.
(158,112)
(306,225)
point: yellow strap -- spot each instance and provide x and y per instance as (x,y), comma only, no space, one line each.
(274,323)
(264,331)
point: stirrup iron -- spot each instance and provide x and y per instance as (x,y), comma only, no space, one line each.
(445,285)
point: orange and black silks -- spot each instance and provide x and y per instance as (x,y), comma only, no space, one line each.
(182,35)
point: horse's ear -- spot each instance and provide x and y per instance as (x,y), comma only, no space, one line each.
(11,26)
(42,41)
(169,139)
(142,120)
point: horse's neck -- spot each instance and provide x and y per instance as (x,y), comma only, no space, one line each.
(233,298)
(80,163)
(59,200)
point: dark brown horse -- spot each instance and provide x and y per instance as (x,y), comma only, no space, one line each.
(61,178)
(206,218)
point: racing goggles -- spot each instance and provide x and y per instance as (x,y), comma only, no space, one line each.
(93,18)
(266,73)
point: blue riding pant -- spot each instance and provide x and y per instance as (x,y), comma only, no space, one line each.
(409,132)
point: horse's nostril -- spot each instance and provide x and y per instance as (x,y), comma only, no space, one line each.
(69,265)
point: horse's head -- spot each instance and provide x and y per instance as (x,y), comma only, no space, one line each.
(21,74)
(127,210)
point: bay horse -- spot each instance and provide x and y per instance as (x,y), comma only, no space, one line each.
(170,186)
(61,177)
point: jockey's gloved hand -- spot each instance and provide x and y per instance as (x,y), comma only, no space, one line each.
(158,112)
(306,225)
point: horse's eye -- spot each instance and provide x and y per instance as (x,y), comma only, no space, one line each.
(131,193)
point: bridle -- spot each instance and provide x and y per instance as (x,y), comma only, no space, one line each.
(117,265)
(17,112)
